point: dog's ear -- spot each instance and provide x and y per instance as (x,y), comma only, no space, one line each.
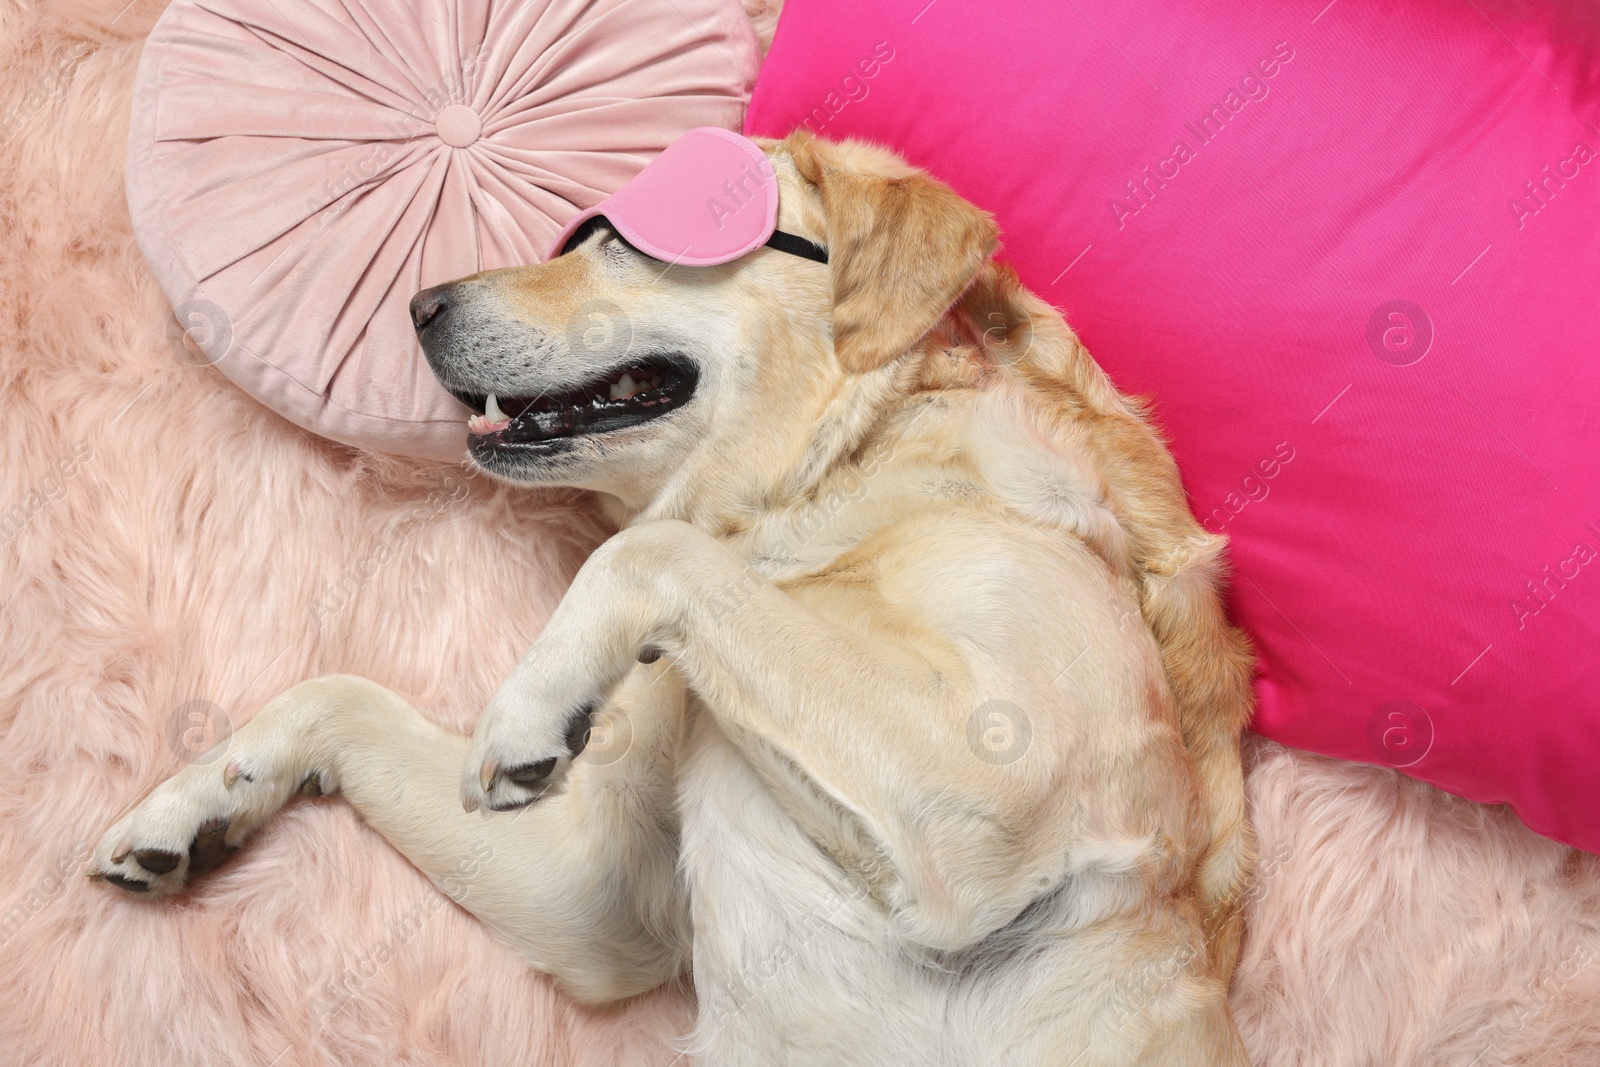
(902,247)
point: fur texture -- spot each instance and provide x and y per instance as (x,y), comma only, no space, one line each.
(932,741)
(188,555)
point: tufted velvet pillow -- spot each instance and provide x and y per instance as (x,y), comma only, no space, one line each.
(297,169)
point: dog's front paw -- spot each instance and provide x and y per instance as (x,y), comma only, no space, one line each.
(516,759)
(194,820)
(539,720)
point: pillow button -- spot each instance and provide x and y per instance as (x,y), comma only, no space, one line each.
(458,125)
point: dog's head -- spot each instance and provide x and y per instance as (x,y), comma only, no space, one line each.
(621,373)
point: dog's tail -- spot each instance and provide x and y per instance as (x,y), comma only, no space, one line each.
(1177,564)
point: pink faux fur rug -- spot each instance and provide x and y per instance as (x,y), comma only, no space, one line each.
(164,540)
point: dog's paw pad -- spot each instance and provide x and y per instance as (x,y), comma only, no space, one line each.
(157,861)
(210,847)
(132,885)
(531,775)
(579,725)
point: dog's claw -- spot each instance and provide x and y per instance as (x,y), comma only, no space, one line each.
(487,774)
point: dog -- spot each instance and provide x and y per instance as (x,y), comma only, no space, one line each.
(902,711)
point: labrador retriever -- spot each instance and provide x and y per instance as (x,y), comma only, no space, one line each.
(901,712)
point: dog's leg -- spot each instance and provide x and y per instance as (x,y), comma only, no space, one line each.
(856,711)
(866,738)
(584,884)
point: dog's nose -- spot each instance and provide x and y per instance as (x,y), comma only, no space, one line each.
(428,305)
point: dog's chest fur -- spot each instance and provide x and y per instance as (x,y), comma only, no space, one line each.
(962,450)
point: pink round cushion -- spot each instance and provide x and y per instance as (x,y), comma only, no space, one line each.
(1351,249)
(298,169)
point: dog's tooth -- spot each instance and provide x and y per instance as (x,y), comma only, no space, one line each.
(491,408)
(616,391)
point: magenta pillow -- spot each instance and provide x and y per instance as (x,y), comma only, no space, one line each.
(1352,250)
(297,169)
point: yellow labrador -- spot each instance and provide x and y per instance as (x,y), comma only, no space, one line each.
(902,710)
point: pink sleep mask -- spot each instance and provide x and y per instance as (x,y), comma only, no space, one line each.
(710,197)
